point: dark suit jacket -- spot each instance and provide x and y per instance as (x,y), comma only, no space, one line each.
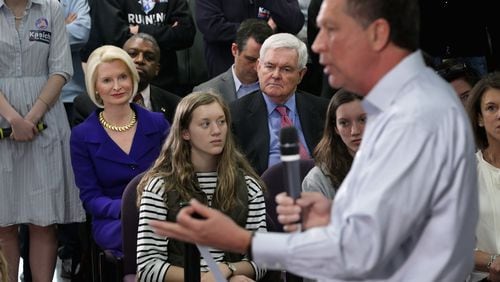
(250,124)
(161,101)
(102,169)
(219,20)
(222,84)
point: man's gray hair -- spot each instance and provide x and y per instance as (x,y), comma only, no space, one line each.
(287,41)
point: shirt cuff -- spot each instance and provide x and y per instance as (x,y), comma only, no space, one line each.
(269,249)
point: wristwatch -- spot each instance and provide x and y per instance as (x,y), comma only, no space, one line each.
(231,267)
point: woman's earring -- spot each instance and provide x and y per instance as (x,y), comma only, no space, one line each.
(98,98)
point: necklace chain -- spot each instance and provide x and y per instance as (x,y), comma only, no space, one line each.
(122,128)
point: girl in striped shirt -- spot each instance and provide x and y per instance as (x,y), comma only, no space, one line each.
(198,160)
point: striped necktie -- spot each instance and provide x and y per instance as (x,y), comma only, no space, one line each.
(139,100)
(286,122)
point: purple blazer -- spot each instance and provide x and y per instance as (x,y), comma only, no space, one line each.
(102,169)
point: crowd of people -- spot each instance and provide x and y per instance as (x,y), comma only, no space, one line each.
(404,131)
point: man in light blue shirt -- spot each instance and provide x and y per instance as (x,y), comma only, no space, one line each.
(407,210)
(77,19)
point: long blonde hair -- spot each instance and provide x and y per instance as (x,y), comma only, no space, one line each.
(174,163)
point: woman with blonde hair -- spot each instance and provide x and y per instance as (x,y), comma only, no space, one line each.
(198,160)
(114,144)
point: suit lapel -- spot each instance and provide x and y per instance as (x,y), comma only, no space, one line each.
(107,148)
(228,88)
(258,124)
(157,103)
(145,138)
(143,142)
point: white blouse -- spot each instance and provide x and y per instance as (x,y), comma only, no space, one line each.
(488,226)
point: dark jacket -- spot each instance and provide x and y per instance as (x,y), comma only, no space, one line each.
(457,28)
(219,20)
(250,124)
(102,169)
(110,25)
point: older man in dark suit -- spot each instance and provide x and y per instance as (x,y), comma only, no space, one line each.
(241,78)
(258,117)
(145,53)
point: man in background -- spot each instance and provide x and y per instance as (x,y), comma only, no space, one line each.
(241,78)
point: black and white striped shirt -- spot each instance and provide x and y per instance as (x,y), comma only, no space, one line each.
(152,249)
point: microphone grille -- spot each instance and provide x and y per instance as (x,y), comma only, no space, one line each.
(289,141)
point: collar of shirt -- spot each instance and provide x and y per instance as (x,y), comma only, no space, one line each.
(237,84)
(290,104)
(146,95)
(385,92)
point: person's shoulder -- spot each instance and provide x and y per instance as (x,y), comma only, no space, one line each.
(249,98)
(428,96)
(306,96)
(252,184)
(314,172)
(211,83)
(89,125)
(150,117)
(164,93)
(156,185)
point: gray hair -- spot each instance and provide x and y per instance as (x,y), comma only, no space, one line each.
(287,41)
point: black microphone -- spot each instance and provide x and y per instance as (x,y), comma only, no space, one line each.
(5,132)
(289,147)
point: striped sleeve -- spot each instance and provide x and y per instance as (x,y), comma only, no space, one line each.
(256,219)
(152,251)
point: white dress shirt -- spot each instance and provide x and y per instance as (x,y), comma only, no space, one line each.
(407,211)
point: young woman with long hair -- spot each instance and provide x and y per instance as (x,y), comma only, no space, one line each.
(333,156)
(199,160)
(483,107)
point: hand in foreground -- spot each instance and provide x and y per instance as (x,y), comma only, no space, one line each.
(70,18)
(495,271)
(215,229)
(134,29)
(23,129)
(312,206)
(272,24)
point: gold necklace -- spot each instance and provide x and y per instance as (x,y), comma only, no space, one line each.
(122,128)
